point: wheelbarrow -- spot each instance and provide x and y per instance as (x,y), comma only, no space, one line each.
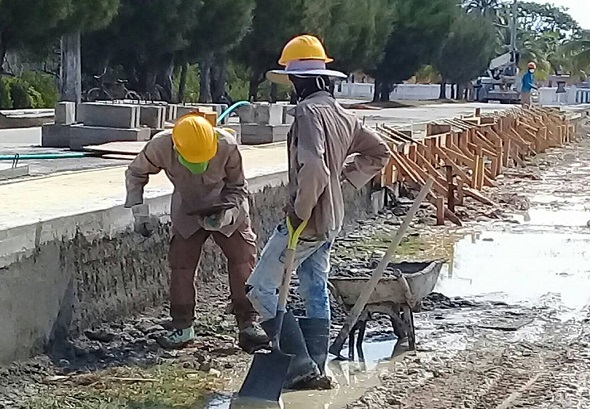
(397,296)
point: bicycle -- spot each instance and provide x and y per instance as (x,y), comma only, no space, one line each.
(106,91)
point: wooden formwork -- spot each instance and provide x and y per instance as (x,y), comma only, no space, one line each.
(464,155)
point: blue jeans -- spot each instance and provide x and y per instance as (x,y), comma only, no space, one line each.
(312,262)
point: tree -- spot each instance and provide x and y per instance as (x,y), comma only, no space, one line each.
(23,22)
(273,24)
(540,18)
(83,16)
(419,27)
(220,26)
(357,32)
(483,7)
(466,52)
(154,31)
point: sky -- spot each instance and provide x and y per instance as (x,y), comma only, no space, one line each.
(579,9)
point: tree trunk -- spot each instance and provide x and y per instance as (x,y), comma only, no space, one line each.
(443,89)
(165,80)
(218,72)
(3,51)
(150,81)
(255,80)
(182,82)
(71,68)
(385,90)
(274,91)
(205,80)
(376,89)
(460,92)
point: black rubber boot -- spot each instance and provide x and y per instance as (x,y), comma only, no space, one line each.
(316,333)
(302,368)
(317,338)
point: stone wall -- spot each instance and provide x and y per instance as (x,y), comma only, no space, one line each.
(69,284)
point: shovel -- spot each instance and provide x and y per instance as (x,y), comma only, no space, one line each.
(268,372)
(367,291)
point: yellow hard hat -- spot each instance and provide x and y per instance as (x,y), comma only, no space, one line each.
(194,138)
(304,47)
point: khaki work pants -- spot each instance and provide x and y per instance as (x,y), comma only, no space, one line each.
(525,99)
(184,256)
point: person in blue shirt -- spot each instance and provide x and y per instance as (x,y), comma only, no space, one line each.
(528,84)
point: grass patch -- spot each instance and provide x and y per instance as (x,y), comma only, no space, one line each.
(416,247)
(159,387)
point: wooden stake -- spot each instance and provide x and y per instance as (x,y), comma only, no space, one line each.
(450,189)
(440,211)
(460,192)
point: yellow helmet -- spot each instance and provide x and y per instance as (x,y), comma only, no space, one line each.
(304,47)
(194,138)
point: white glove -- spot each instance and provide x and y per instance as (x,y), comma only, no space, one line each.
(218,221)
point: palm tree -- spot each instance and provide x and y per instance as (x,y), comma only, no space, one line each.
(580,48)
(484,7)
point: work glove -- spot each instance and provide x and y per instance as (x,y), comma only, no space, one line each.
(217,221)
(293,218)
(142,223)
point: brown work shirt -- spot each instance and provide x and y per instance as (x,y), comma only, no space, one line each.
(321,139)
(222,182)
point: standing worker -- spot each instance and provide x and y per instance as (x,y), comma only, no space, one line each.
(322,137)
(210,198)
(528,84)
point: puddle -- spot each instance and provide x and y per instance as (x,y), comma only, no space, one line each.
(353,378)
(555,219)
(520,268)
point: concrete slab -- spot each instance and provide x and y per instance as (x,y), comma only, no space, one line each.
(255,134)
(55,136)
(109,115)
(152,116)
(247,114)
(8,171)
(65,113)
(81,135)
(268,114)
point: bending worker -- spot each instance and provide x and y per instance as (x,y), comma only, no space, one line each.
(528,84)
(322,137)
(210,198)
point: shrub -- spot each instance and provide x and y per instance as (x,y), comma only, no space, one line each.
(43,84)
(5,98)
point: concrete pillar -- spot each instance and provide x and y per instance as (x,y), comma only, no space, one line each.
(71,68)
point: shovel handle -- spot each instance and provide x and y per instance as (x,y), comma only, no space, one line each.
(294,235)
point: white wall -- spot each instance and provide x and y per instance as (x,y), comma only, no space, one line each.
(415,92)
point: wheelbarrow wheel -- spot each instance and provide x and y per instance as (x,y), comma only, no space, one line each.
(408,319)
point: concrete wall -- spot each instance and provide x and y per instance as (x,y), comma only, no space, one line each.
(77,271)
(414,92)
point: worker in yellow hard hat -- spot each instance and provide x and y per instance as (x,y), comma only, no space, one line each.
(322,137)
(528,85)
(210,198)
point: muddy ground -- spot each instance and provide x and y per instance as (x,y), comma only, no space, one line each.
(508,331)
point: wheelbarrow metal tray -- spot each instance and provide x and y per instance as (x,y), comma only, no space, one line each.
(421,278)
